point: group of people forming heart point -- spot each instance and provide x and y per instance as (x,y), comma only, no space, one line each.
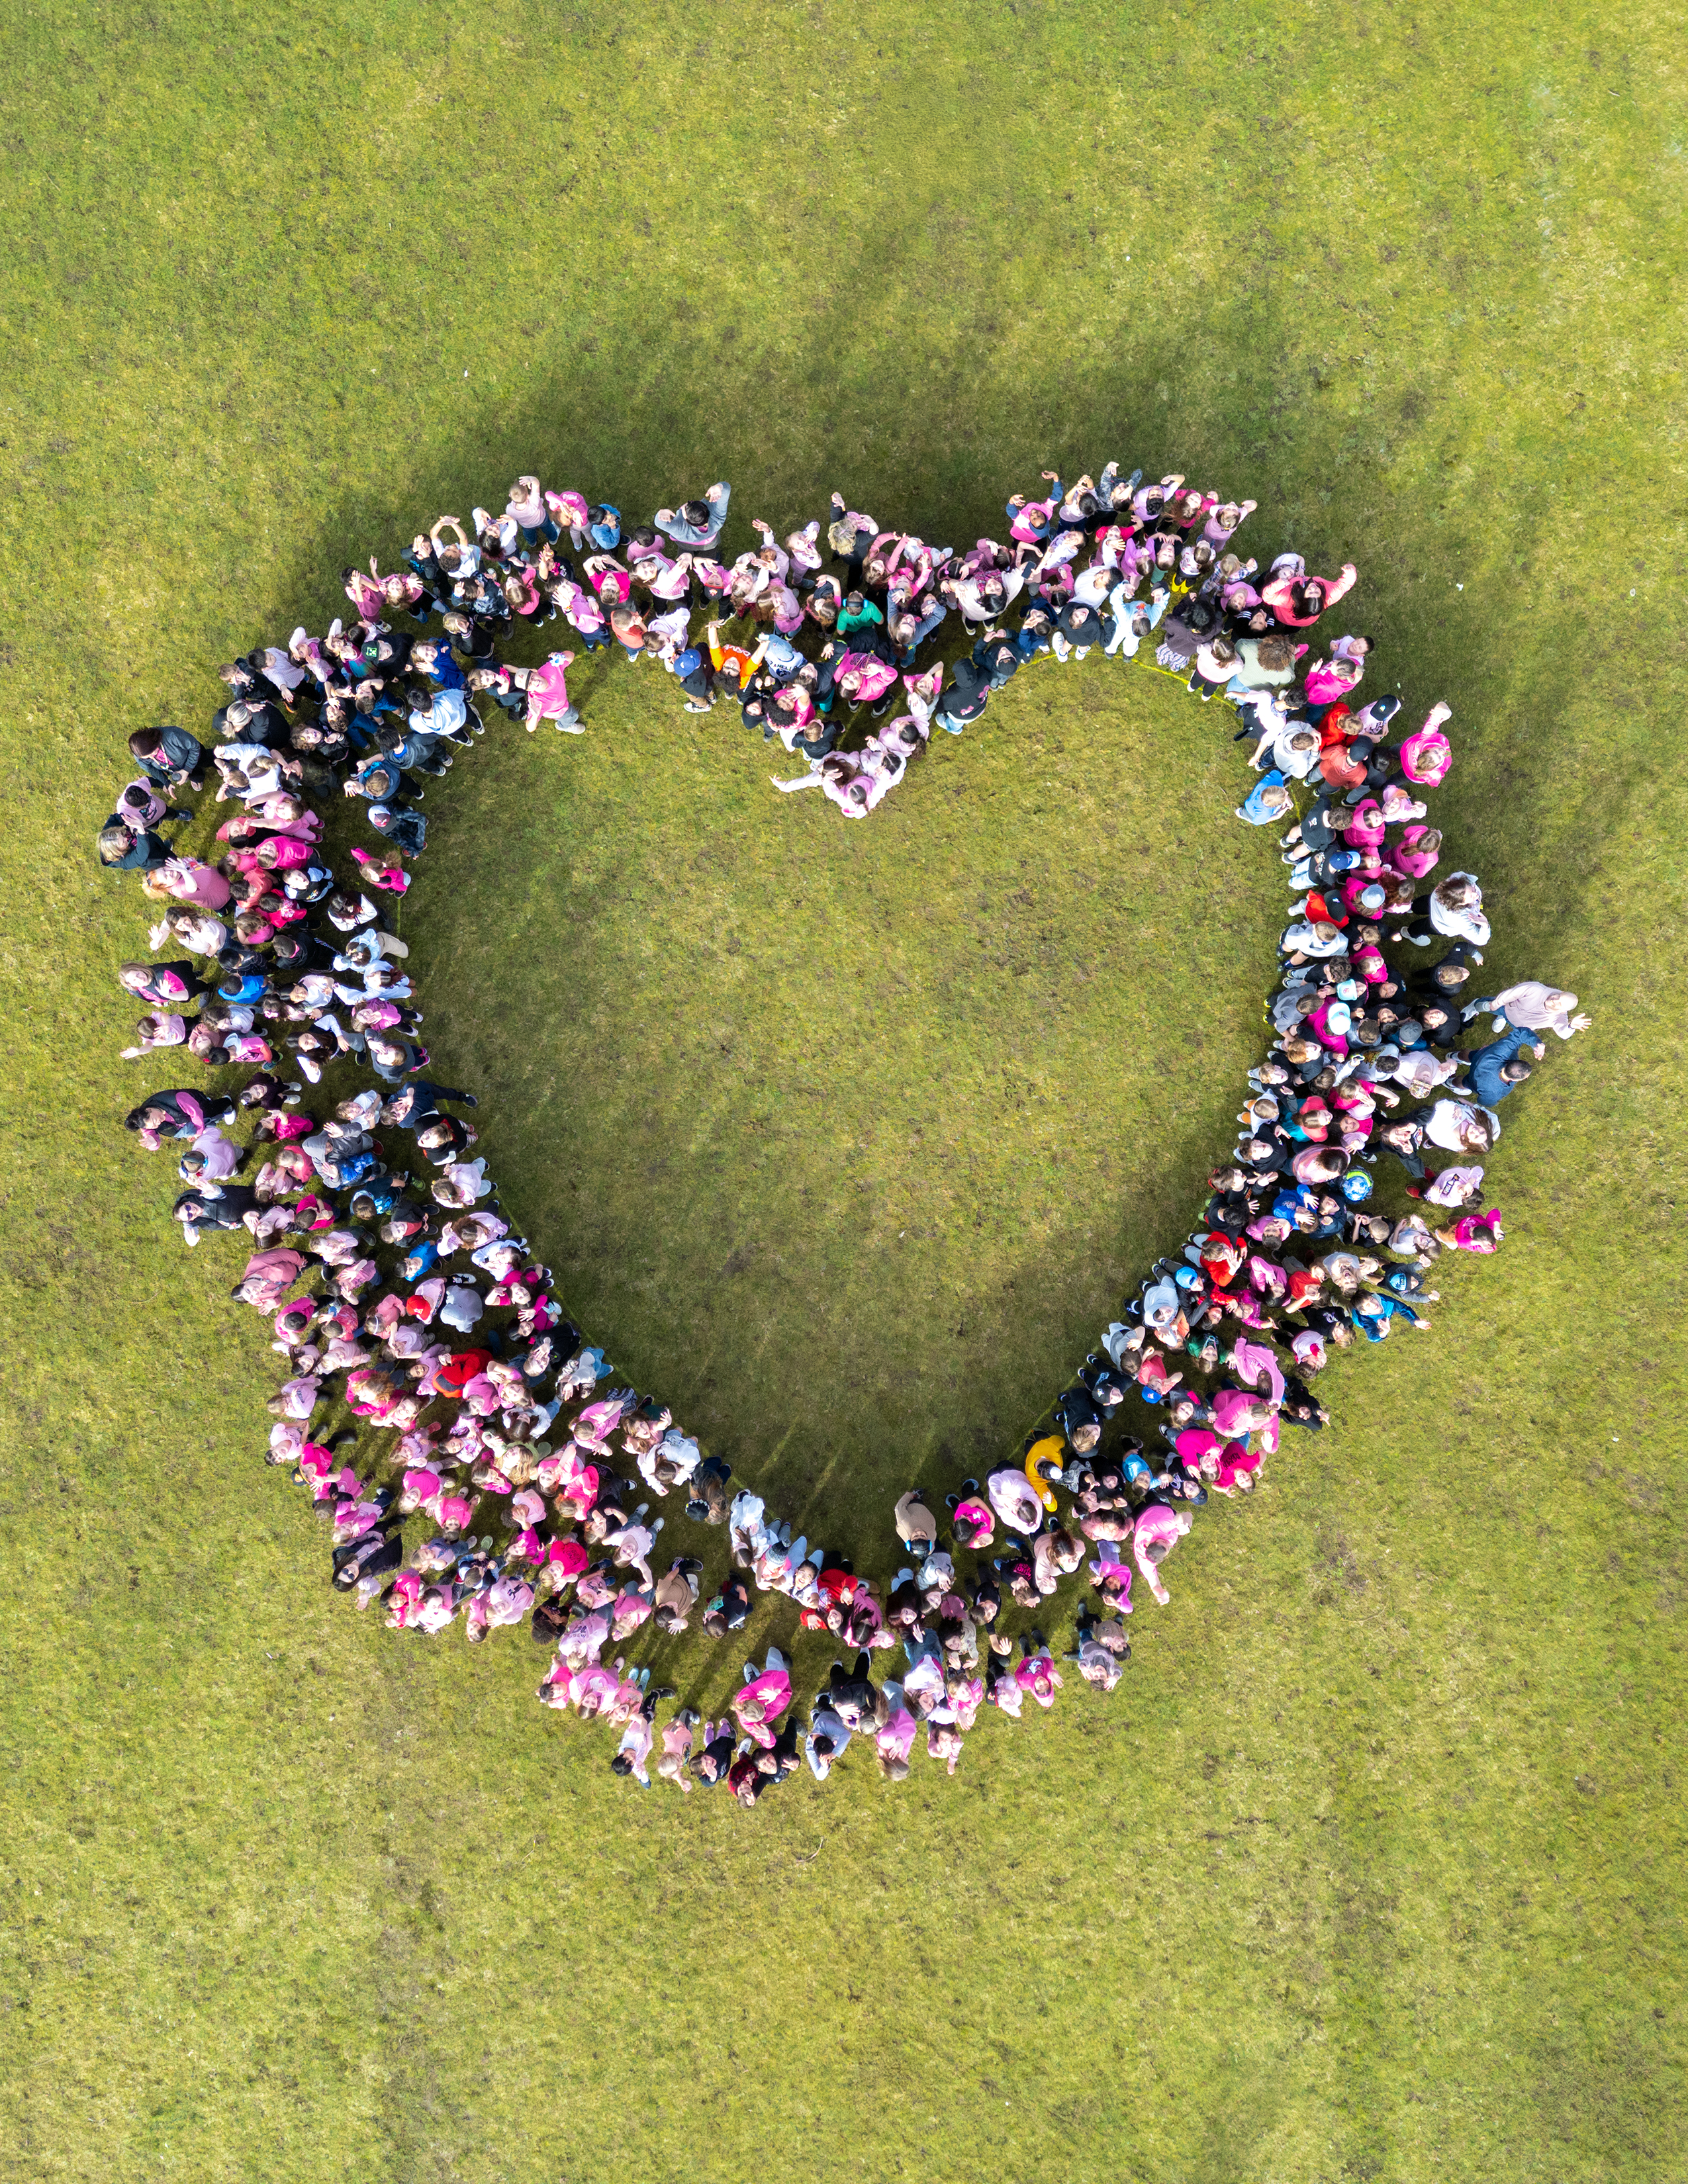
(476,1461)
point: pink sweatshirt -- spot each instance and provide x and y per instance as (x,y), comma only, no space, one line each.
(771,1691)
(547,691)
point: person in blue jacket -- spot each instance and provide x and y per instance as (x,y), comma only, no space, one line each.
(1496,1067)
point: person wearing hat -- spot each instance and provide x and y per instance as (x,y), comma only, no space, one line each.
(691,668)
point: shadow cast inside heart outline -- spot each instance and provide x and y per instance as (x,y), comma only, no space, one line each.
(802,1466)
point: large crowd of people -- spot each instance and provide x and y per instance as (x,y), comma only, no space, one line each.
(475,1460)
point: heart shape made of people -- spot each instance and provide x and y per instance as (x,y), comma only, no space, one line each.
(479,1459)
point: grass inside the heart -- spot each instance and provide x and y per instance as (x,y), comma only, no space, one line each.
(845,1138)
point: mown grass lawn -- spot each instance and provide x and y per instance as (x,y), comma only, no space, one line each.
(846,1140)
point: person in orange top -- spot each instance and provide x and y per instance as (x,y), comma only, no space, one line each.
(733,658)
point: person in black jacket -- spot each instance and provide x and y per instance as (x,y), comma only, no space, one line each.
(965,697)
(1077,626)
(123,848)
(169,757)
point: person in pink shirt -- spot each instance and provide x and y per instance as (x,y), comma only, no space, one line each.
(632,1607)
(1223,521)
(277,853)
(863,678)
(506,1602)
(944,1741)
(268,1276)
(1112,1577)
(1426,755)
(1256,1365)
(1416,853)
(548,696)
(1236,1414)
(803,553)
(669,583)
(1474,1232)
(1002,1688)
(190,880)
(971,1518)
(761,1699)
(1328,680)
(1015,1500)
(569,512)
(579,609)
(608,578)
(1158,1529)
(676,1749)
(594,1688)
(893,1740)
(1036,1673)
(158,1028)
(1297,600)
(212,1156)
(1530,1006)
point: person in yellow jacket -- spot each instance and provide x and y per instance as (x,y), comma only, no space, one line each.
(1046,1459)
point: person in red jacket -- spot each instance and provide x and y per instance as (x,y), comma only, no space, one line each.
(461,1368)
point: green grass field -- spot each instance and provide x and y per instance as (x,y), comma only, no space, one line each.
(845,1139)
